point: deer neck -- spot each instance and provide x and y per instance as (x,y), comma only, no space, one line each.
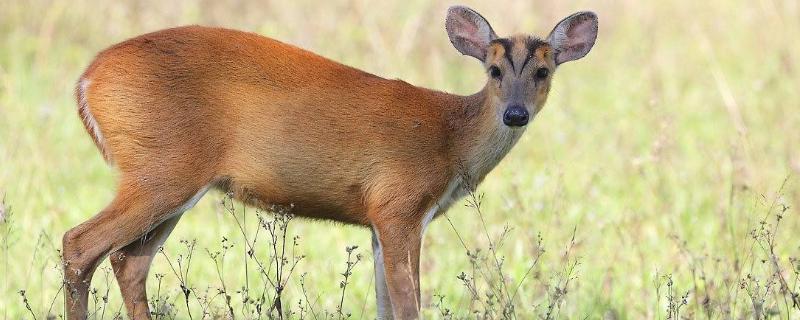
(481,138)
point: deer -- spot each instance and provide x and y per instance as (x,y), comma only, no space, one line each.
(182,111)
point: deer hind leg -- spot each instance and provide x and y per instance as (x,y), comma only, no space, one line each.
(132,263)
(136,210)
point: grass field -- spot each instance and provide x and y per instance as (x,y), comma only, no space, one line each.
(661,180)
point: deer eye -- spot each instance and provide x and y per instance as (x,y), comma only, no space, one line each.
(495,72)
(542,73)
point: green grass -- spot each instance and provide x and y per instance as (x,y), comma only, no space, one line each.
(662,150)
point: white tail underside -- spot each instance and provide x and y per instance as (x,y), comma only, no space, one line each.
(88,118)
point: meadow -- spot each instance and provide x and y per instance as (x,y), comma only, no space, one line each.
(659,182)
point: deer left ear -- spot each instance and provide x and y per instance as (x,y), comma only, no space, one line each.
(469,32)
(573,37)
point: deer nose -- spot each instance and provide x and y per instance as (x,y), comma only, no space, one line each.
(515,116)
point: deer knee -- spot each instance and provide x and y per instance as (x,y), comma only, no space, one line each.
(79,257)
(72,254)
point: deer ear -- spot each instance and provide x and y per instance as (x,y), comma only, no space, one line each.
(573,37)
(469,32)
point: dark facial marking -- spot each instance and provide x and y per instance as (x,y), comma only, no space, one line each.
(531,44)
(507,46)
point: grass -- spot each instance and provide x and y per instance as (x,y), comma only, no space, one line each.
(659,182)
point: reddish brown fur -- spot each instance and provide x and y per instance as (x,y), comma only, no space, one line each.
(183,108)
(180,110)
(156,97)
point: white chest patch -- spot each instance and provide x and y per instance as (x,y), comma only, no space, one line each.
(485,156)
(454,191)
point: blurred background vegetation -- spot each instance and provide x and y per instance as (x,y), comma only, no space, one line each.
(668,153)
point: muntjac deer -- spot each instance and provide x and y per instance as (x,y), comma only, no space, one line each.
(184,110)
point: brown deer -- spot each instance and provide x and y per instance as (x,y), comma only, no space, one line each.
(184,110)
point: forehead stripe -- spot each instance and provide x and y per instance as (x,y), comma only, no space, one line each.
(507,45)
(532,44)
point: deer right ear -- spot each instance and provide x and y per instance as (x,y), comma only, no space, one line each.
(469,32)
(574,36)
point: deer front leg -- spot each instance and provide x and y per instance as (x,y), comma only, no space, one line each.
(381,290)
(399,243)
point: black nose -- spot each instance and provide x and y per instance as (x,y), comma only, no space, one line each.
(515,116)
